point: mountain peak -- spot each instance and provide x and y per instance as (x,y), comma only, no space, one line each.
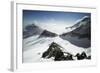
(31,30)
(82,21)
(31,26)
(46,33)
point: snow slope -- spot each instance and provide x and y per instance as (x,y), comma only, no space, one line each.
(33,49)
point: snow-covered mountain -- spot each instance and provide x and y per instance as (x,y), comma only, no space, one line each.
(31,30)
(81,33)
(80,22)
(41,45)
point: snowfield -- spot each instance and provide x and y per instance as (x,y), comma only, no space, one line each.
(33,48)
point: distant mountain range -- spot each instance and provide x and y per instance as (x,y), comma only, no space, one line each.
(79,35)
(32,30)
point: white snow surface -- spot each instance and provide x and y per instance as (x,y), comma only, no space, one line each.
(33,48)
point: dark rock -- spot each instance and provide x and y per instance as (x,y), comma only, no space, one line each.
(44,54)
(46,33)
(69,57)
(81,56)
(55,51)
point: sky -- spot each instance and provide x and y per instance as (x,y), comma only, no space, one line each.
(51,19)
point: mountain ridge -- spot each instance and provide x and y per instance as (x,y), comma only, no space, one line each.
(80,36)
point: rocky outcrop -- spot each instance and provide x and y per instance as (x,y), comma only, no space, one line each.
(55,51)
